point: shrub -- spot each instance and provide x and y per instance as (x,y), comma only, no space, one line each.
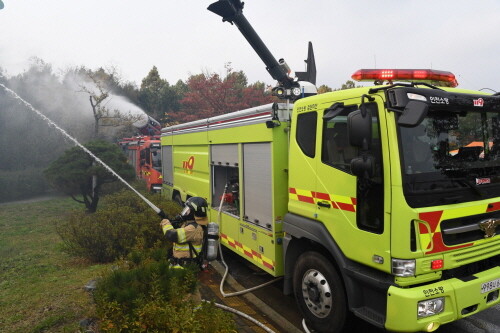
(124,222)
(151,297)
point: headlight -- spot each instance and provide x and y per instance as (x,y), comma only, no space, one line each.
(280,92)
(403,267)
(430,307)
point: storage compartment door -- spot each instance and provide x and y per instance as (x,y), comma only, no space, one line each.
(226,155)
(167,165)
(258,184)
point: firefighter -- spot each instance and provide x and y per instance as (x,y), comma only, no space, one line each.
(186,233)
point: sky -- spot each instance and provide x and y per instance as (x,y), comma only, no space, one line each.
(182,37)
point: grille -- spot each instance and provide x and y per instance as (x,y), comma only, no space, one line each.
(466,229)
(465,272)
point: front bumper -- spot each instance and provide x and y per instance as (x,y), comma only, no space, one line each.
(462,299)
(156,187)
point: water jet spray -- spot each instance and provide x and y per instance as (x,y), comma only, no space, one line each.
(97,159)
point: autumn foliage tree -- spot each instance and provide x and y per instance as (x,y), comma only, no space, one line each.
(209,95)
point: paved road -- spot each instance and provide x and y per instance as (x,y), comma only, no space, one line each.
(248,276)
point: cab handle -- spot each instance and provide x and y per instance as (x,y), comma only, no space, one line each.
(325,204)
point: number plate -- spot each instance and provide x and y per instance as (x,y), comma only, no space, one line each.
(489,286)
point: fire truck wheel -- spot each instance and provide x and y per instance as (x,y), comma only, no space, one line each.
(178,200)
(320,293)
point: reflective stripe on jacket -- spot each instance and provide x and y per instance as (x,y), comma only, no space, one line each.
(189,232)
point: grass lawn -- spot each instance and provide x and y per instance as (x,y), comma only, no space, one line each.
(41,287)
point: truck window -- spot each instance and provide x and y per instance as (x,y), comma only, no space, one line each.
(306,133)
(156,159)
(147,156)
(131,157)
(336,150)
(338,153)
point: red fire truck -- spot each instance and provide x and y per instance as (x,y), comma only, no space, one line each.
(144,154)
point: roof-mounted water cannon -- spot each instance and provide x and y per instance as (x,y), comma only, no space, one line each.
(288,86)
(147,125)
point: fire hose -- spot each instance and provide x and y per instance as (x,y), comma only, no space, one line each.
(267,329)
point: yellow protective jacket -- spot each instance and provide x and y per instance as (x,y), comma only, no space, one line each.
(188,232)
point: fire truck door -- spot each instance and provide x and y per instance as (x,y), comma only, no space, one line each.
(346,204)
(302,165)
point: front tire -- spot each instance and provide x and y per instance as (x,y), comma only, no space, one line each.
(320,293)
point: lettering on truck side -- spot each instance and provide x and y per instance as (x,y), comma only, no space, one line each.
(305,108)
(433,291)
(439,100)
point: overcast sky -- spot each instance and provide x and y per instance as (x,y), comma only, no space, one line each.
(182,37)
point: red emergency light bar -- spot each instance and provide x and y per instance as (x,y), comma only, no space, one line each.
(405,75)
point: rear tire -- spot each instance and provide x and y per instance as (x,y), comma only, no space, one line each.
(320,293)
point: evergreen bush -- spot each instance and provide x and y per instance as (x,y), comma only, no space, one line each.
(149,296)
(124,222)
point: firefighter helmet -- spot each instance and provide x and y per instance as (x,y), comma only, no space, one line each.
(195,206)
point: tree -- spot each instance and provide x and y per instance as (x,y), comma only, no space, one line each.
(210,94)
(150,93)
(105,94)
(349,84)
(77,174)
(129,90)
(158,97)
(96,99)
(324,89)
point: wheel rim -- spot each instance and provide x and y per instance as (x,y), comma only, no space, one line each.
(317,293)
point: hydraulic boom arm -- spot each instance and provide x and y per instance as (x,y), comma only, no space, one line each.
(232,11)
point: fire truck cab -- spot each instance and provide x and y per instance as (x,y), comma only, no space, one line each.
(144,154)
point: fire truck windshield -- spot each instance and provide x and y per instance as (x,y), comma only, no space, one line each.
(451,153)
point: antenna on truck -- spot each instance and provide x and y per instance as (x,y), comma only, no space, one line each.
(288,87)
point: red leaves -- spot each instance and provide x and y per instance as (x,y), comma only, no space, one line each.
(210,95)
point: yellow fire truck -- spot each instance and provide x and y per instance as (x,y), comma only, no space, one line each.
(369,201)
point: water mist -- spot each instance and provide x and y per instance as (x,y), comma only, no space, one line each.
(65,134)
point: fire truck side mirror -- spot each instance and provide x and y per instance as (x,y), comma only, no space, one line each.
(413,114)
(359,128)
(363,166)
